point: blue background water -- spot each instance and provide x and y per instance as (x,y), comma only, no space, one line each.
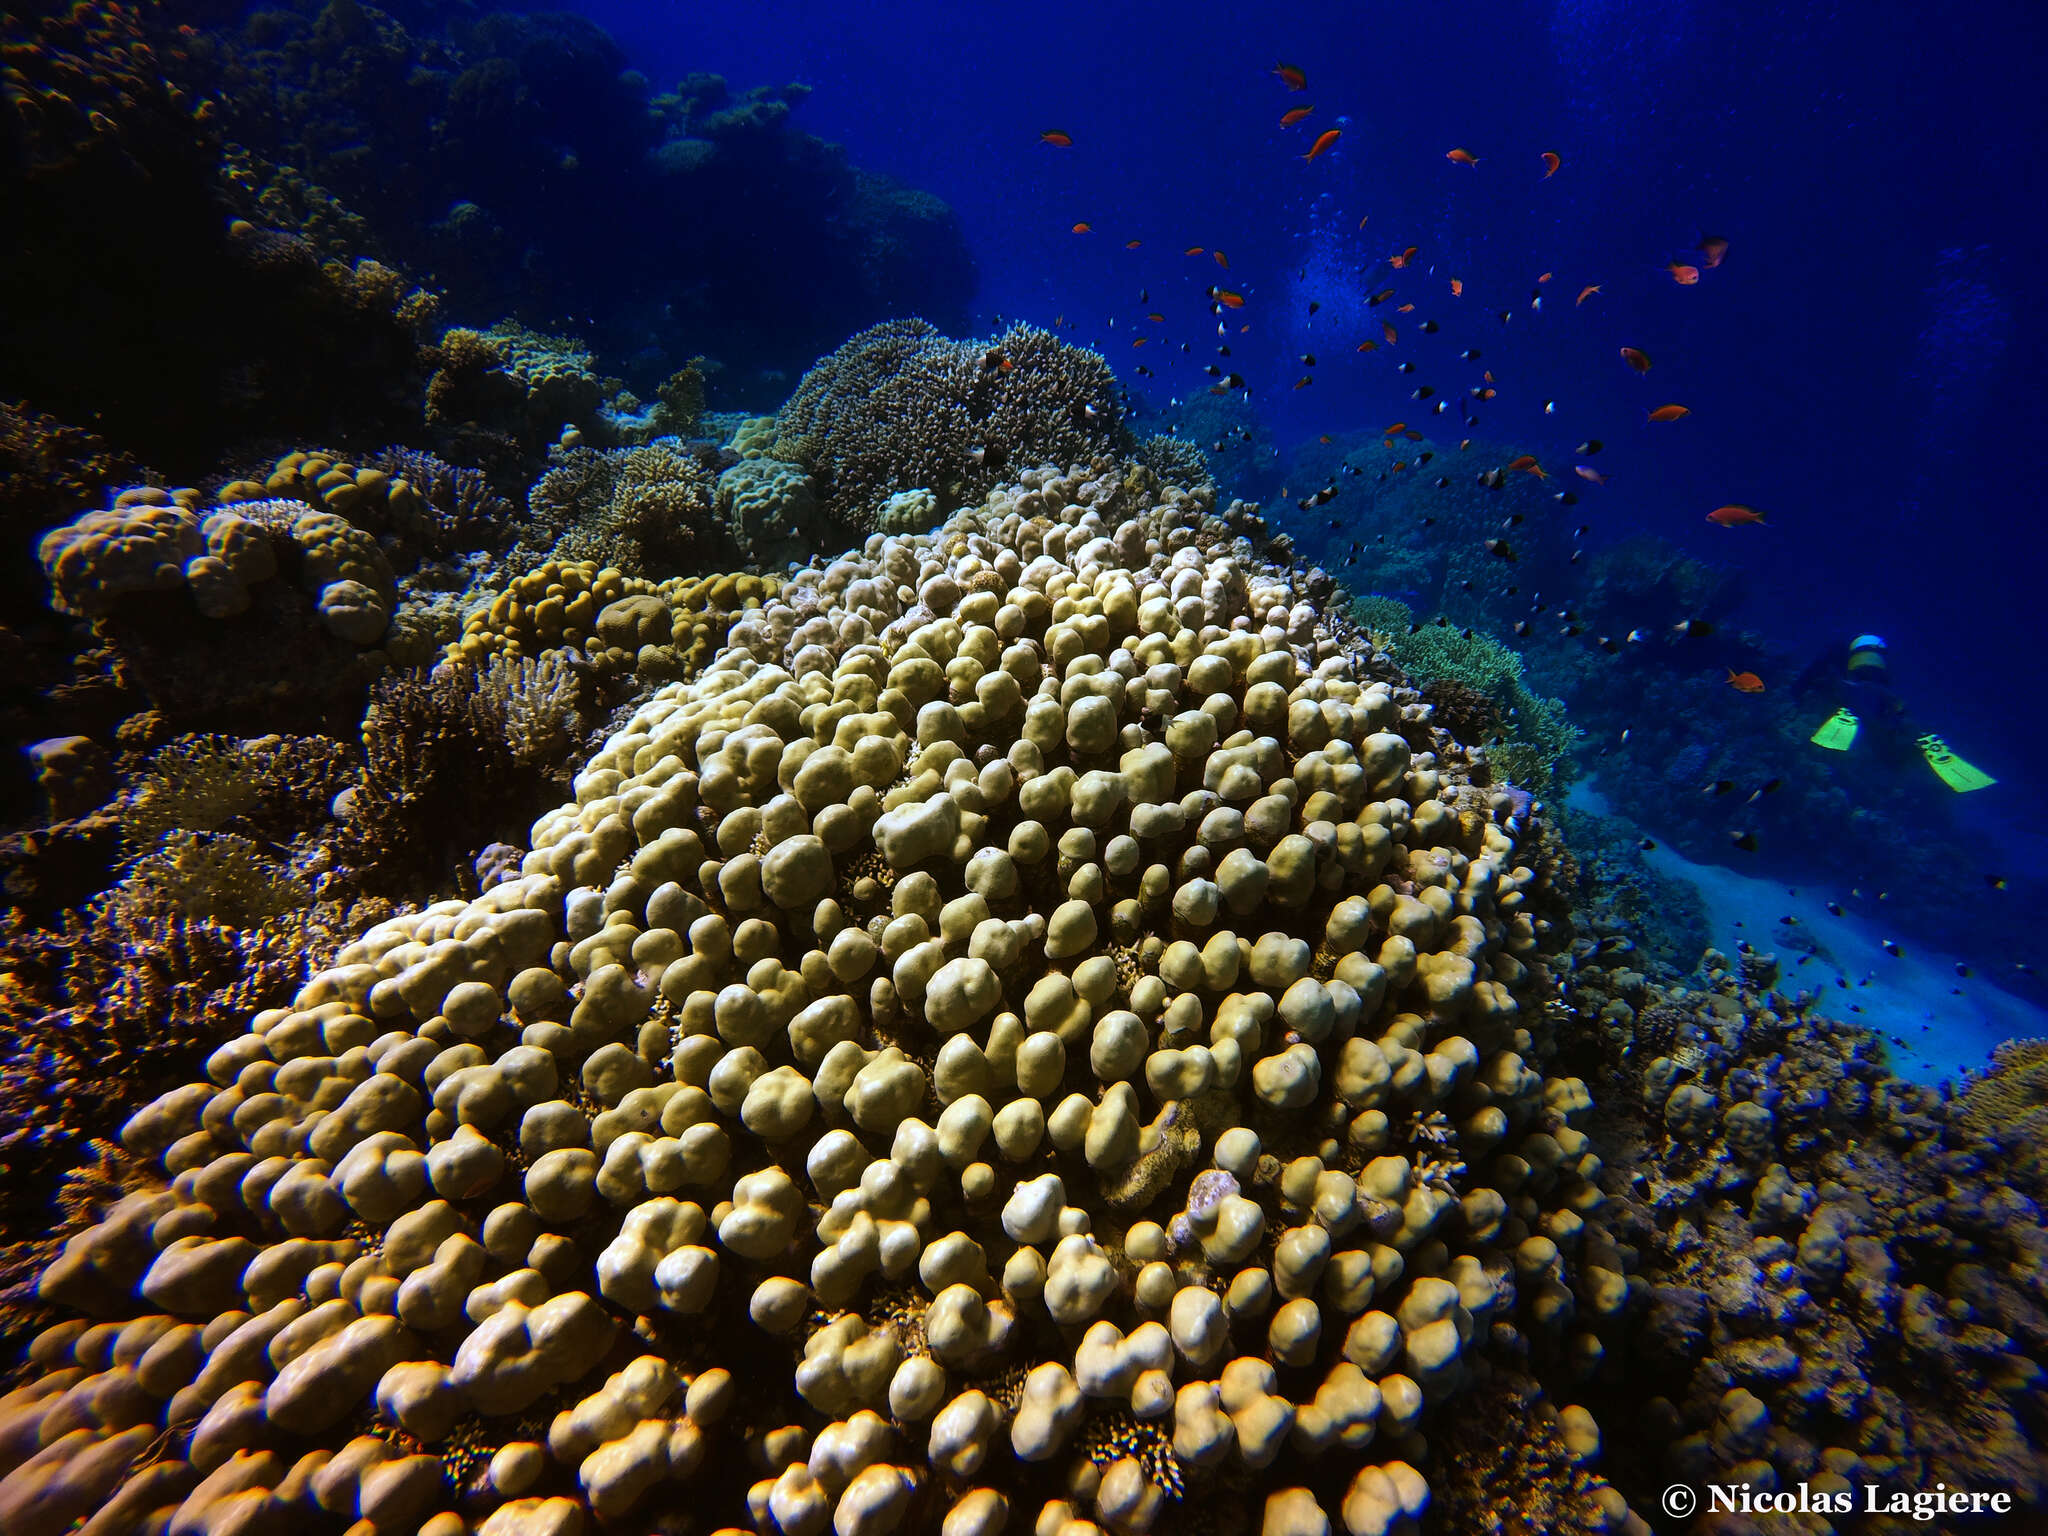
(1861,367)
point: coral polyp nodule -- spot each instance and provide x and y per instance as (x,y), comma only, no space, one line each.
(666,1104)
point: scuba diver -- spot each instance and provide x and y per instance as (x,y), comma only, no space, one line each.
(1868,709)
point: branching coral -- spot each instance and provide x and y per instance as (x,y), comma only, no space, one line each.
(1174,461)
(458,758)
(649,511)
(901,406)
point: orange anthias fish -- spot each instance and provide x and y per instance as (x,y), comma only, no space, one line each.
(1193,250)
(1289,119)
(1550,164)
(1457,288)
(1368,346)
(1461,157)
(1295,80)
(1084,229)
(1132,245)
(1670,412)
(1323,141)
(1390,433)
(1404,309)
(1056,138)
(1681,274)
(1222,260)
(1324,438)
(1387,330)
(1227,298)
(1588,472)
(1587,292)
(1157,319)
(1399,261)
(1745,682)
(1735,514)
(1636,359)
(1714,249)
(1528,461)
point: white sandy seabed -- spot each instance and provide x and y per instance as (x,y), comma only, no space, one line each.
(1937,1024)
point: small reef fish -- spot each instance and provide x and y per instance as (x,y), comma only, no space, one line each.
(1714,249)
(1670,412)
(1057,138)
(1289,119)
(1682,274)
(1294,79)
(1222,260)
(1084,229)
(1586,293)
(1157,319)
(1745,682)
(1132,245)
(1528,462)
(1194,250)
(1368,346)
(1379,298)
(1461,157)
(1457,288)
(1323,141)
(1227,298)
(1636,358)
(1402,260)
(1588,472)
(1550,164)
(1735,514)
(1387,330)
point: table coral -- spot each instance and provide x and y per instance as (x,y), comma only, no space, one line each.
(726,1144)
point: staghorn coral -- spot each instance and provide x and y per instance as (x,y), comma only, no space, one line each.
(455,759)
(901,405)
(271,787)
(1538,751)
(1466,712)
(648,510)
(1174,461)
(219,876)
(811,1036)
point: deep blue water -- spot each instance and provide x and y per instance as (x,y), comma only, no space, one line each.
(1860,367)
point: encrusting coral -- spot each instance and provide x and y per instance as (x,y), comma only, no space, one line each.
(1019,1039)
(1841,1278)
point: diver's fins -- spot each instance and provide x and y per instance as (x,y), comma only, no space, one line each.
(1838,732)
(1958,775)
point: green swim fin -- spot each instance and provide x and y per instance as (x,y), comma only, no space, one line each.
(1958,775)
(1838,732)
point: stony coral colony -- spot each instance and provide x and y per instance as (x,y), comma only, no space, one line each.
(1036,1032)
